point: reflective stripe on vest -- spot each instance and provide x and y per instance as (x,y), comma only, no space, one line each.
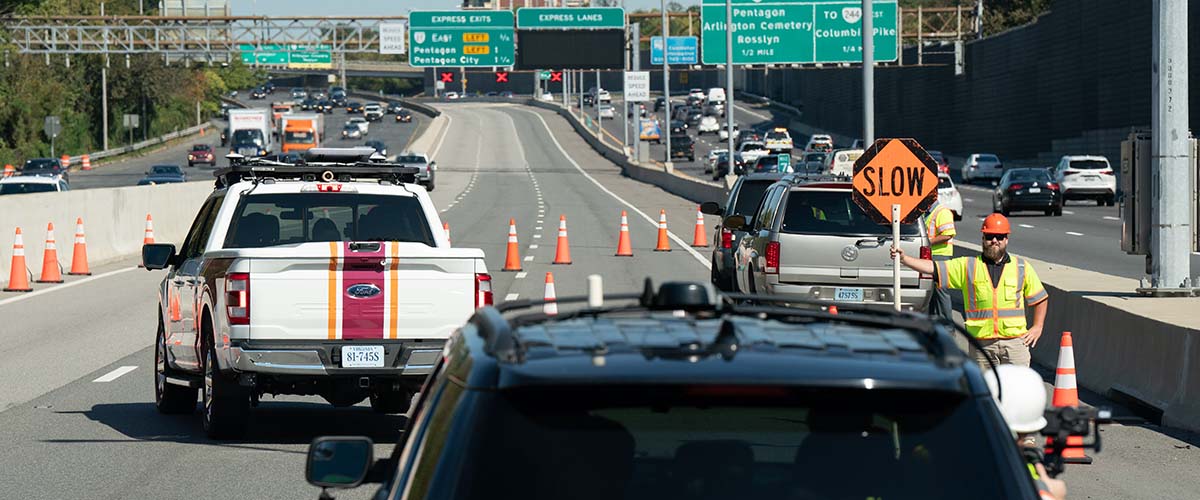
(979,320)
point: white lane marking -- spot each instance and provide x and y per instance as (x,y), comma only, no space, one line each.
(537,236)
(521,275)
(1109,217)
(445,131)
(1027,226)
(969,200)
(115,374)
(539,228)
(1068,212)
(511,296)
(751,113)
(1073,233)
(533,246)
(528,258)
(683,244)
(64,286)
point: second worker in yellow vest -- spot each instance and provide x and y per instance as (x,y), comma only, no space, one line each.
(996,290)
(939,228)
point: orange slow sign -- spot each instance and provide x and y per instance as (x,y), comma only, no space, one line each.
(895,171)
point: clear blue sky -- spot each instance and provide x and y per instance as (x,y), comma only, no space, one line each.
(372,7)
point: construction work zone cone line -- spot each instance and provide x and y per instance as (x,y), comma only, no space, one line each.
(624,246)
(18,278)
(512,258)
(562,251)
(87,162)
(79,261)
(51,269)
(664,244)
(700,238)
(1066,393)
(550,308)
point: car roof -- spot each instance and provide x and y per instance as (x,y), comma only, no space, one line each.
(1084,157)
(733,346)
(29,179)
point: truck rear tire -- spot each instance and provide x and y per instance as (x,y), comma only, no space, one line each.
(390,401)
(169,399)
(226,404)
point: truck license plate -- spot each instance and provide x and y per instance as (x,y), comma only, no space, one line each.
(362,356)
(848,295)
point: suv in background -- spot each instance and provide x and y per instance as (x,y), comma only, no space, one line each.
(744,198)
(982,166)
(45,167)
(679,395)
(1086,177)
(373,112)
(683,146)
(810,241)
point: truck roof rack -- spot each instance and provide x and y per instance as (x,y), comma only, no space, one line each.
(353,169)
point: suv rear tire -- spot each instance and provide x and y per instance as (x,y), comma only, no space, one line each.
(169,399)
(226,404)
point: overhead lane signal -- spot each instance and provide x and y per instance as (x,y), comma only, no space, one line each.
(447,77)
(501,77)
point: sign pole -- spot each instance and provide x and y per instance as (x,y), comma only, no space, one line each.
(896,261)
(729,97)
(625,101)
(635,61)
(599,119)
(868,50)
(666,34)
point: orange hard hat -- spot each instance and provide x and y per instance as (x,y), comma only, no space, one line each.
(995,224)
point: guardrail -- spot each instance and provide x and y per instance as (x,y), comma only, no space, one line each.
(421,108)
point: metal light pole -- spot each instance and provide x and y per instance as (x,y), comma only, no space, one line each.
(625,102)
(599,125)
(728,88)
(666,33)
(868,50)
(1169,148)
(635,37)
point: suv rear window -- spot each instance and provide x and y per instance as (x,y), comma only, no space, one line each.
(990,158)
(811,211)
(749,196)
(265,220)
(1089,164)
(713,442)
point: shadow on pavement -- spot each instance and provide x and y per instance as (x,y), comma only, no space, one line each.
(270,423)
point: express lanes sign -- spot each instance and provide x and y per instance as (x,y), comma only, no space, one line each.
(797,32)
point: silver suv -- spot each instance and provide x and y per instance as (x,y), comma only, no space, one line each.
(809,240)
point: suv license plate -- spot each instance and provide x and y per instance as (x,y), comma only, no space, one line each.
(848,295)
(1035,190)
(362,356)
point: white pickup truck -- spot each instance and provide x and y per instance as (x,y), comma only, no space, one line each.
(321,279)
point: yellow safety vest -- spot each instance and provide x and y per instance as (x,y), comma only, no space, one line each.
(940,222)
(992,312)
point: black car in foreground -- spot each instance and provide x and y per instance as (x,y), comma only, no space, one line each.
(1027,189)
(682,393)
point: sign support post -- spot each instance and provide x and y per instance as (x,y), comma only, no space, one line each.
(666,33)
(896,260)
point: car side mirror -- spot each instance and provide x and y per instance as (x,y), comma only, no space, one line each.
(711,208)
(995,183)
(338,461)
(158,255)
(735,222)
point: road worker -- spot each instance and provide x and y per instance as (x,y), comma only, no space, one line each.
(997,288)
(1023,407)
(939,228)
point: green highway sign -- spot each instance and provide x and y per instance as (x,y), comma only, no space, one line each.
(310,59)
(571,19)
(797,32)
(267,58)
(293,55)
(544,75)
(461,38)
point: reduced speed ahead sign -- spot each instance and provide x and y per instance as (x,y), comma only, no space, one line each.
(895,172)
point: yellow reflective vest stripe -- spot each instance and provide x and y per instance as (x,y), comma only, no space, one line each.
(992,312)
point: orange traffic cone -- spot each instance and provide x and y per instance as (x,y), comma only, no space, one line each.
(66,162)
(663,244)
(700,238)
(550,308)
(51,269)
(446,229)
(79,262)
(18,278)
(624,247)
(562,254)
(148,237)
(512,261)
(87,162)
(9,170)
(1066,393)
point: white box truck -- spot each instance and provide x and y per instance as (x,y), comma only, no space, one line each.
(250,132)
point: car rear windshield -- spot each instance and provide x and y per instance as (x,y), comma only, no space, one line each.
(749,196)
(1089,164)
(264,220)
(410,159)
(811,211)
(26,187)
(991,158)
(776,135)
(1029,175)
(644,443)
(944,183)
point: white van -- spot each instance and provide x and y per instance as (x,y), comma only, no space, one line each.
(716,94)
(841,162)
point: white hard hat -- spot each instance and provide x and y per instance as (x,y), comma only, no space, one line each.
(1024,403)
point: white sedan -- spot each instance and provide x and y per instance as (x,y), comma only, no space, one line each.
(714,155)
(708,124)
(363,125)
(607,111)
(949,197)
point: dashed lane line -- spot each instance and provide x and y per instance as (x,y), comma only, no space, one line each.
(115,374)
(682,244)
(1073,233)
(511,297)
(64,286)
(1109,217)
(521,275)
(1026,226)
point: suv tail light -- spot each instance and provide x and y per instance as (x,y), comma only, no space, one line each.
(483,290)
(726,238)
(926,254)
(772,266)
(1015,187)
(1106,172)
(237,298)
(1053,186)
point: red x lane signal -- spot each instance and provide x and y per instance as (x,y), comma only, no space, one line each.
(556,76)
(501,77)
(448,77)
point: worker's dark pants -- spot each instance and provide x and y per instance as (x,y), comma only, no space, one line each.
(939,304)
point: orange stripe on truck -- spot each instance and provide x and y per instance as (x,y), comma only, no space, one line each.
(394,290)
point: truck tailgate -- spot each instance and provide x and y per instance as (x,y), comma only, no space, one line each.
(360,290)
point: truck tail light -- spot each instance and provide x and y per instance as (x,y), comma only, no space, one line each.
(726,238)
(483,290)
(926,254)
(772,266)
(237,298)
(1053,186)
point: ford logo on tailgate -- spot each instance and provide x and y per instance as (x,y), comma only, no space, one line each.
(362,291)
